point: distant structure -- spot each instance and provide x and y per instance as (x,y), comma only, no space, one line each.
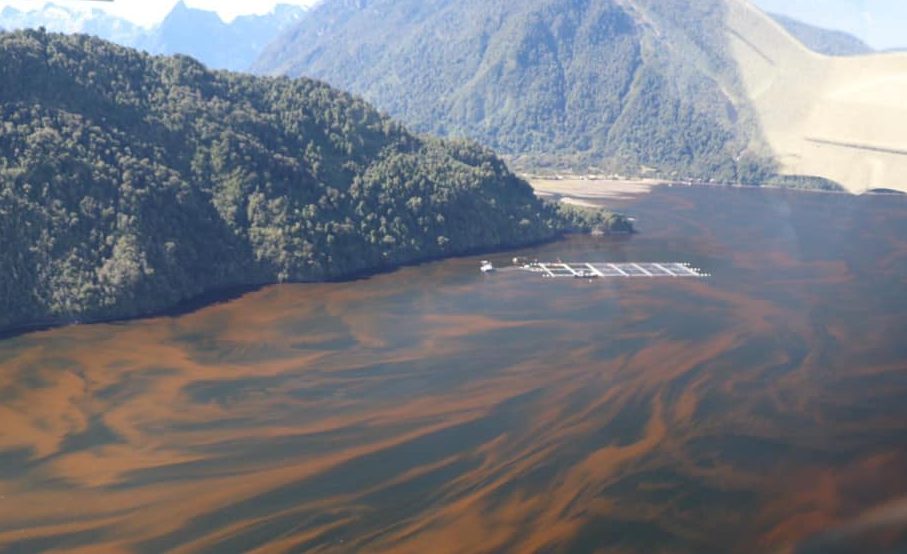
(591,270)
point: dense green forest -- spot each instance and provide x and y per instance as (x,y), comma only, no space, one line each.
(637,87)
(129,183)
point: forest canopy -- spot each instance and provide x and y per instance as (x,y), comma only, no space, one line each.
(129,183)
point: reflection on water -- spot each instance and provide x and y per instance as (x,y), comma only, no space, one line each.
(439,410)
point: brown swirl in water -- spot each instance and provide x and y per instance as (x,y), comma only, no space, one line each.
(436,410)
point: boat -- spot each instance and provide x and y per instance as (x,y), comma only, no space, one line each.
(486,267)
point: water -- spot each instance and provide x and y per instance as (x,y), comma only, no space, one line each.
(435,409)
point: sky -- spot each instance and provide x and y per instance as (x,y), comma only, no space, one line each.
(882,24)
(149,12)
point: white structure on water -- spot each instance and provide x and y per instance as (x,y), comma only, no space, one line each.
(585,270)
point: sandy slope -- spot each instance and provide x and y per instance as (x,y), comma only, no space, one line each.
(844,119)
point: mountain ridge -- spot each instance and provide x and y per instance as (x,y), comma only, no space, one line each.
(632,87)
(542,81)
(821,40)
(201,34)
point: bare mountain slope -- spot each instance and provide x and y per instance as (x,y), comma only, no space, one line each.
(844,119)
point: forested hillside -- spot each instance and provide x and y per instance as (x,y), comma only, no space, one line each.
(636,86)
(129,183)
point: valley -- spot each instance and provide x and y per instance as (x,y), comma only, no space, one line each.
(450,276)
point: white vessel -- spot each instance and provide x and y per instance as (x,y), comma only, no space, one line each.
(486,267)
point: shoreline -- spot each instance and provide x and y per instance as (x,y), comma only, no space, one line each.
(581,191)
(593,192)
(576,191)
(226,294)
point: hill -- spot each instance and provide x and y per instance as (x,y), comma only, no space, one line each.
(637,87)
(823,41)
(129,183)
(189,31)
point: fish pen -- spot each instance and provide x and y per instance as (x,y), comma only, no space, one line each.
(594,270)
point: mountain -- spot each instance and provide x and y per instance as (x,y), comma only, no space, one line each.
(619,85)
(62,19)
(129,183)
(638,87)
(204,36)
(823,41)
(193,32)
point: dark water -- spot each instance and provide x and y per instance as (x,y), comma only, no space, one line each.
(438,410)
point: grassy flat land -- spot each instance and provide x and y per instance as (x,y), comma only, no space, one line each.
(590,192)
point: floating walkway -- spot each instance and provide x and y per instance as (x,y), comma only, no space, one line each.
(623,270)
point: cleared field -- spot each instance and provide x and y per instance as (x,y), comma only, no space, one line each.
(585,192)
(844,119)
